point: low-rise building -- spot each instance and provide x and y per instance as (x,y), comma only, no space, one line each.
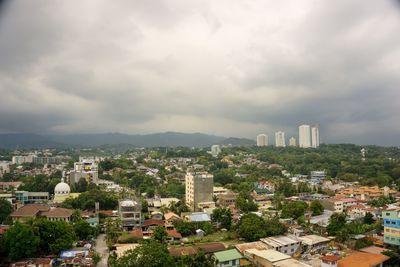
(227,200)
(333,204)
(265,258)
(285,244)
(314,243)
(362,259)
(228,258)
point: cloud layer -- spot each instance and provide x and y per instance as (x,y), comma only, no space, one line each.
(232,68)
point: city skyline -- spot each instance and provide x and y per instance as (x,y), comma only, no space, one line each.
(194,67)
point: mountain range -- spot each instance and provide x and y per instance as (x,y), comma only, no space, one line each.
(167,139)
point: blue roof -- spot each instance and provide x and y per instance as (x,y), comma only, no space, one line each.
(200,217)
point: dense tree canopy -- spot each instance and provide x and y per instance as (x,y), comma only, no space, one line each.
(5,209)
(20,241)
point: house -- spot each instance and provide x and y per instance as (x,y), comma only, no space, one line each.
(285,244)
(333,204)
(170,218)
(156,215)
(207,248)
(356,211)
(58,214)
(362,259)
(173,235)
(265,258)
(228,258)
(329,261)
(151,224)
(251,245)
(28,212)
(227,200)
(314,243)
(9,186)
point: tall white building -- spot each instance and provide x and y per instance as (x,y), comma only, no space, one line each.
(280,139)
(87,170)
(315,136)
(215,150)
(292,141)
(262,140)
(304,136)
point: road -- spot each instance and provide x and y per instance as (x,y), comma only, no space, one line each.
(101,248)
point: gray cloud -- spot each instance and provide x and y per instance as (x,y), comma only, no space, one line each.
(221,67)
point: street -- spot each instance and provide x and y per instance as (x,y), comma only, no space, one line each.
(101,248)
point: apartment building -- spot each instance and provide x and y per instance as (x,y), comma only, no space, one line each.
(391,223)
(199,190)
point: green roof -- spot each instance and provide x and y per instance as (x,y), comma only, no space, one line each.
(227,255)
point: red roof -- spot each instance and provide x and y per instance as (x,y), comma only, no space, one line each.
(153,222)
(138,233)
(4,228)
(330,258)
(30,210)
(173,233)
(192,250)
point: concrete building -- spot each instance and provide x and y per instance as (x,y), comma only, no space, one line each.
(262,140)
(87,170)
(292,141)
(315,136)
(314,243)
(284,244)
(215,150)
(332,204)
(317,175)
(199,190)
(304,136)
(228,258)
(280,139)
(391,224)
(25,197)
(130,214)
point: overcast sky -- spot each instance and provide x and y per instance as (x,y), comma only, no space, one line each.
(231,68)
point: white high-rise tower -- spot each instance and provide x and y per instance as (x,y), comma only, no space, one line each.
(304,136)
(315,136)
(280,139)
(262,140)
(292,141)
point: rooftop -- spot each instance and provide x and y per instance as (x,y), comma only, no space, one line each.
(313,239)
(252,245)
(291,263)
(227,255)
(269,254)
(279,241)
(362,259)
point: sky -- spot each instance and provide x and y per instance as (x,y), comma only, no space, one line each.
(229,68)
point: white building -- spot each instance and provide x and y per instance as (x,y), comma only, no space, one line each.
(262,140)
(130,214)
(292,141)
(285,244)
(280,139)
(215,150)
(87,170)
(315,136)
(304,136)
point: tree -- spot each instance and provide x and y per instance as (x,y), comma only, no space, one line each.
(275,227)
(337,222)
(54,235)
(199,259)
(316,208)
(245,203)
(160,234)
(145,205)
(20,242)
(76,216)
(223,217)
(5,209)
(83,230)
(294,209)
(149,254)
(368,218)
(251,227)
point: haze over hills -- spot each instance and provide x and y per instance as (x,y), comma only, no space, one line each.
(169,139)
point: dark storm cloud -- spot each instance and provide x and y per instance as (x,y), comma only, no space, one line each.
(235,69)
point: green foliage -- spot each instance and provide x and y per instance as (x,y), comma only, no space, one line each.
(54,235)
(316,208)
(5,209)
(39,183)
(86,200)
(149,254)
(380,202)
(293,209)
(363,243)
(189,228)
(224,176)
(245,203)
(223,217)
(20,241)
(252,227)
(83,230)
(368,218)
(198,260)
(160,234)
(337,222)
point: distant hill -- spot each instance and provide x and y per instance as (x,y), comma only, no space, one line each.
(167,139)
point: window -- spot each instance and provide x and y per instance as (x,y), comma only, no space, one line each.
(387,214)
